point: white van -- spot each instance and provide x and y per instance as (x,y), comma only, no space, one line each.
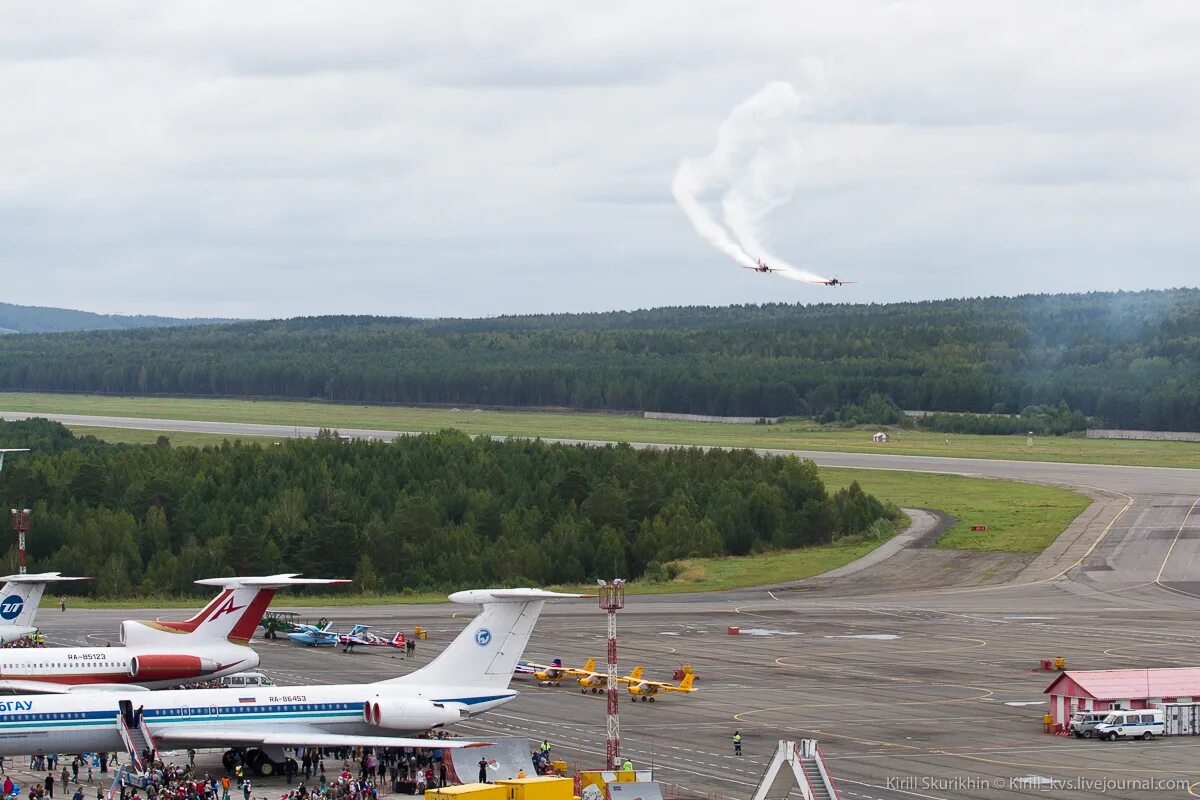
(1143,723)
(1083,723)
(239,680)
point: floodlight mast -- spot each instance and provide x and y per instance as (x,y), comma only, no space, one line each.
(20,516)
(612,599)
(21,524)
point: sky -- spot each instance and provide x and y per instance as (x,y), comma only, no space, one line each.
(274,159)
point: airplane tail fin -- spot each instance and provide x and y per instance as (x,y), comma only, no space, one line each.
(590,666)
(233,614)
(637,672)
(485,654)
(398,639)
(21,595)
(685,685)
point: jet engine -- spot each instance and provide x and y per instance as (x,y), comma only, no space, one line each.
(172,666)
(411,714)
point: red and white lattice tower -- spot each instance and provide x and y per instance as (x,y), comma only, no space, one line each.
(21,523)
(612,599)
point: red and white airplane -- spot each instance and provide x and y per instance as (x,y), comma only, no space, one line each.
(360,635)
(157,653)
(761,267)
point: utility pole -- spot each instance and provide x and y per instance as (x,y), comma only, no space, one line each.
(612,599)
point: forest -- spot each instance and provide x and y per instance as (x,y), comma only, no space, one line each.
(433,512)
(1128,359)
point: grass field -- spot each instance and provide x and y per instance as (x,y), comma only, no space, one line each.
(793,435)
(134,436)
(1020,517)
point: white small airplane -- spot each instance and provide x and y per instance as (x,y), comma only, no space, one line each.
(19,600)
(158,653)
(467,678)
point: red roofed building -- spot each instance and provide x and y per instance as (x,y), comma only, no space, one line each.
(1104,689)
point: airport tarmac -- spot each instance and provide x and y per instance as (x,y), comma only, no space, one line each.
(931,695)
(915,673)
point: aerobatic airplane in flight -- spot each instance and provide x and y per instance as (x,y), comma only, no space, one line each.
(158,653)
(467,678)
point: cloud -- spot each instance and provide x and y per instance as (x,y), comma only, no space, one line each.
(277,158)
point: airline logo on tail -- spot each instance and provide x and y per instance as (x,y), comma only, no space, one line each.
(227,608)
(10,607)
(483,637)
(209,621)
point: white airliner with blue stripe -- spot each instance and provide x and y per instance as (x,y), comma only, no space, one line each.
(19,600)
(469,677)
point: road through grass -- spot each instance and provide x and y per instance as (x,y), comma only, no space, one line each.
(789,435)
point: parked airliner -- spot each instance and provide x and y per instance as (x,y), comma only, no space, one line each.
(157,654)
(19,600)
(467,678)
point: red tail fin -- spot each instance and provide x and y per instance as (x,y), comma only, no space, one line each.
(220,618)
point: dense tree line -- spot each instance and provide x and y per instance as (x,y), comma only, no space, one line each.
(439,511)
(1040,420)
(43,319)
(1131,359)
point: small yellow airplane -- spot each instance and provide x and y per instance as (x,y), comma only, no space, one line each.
(598,681)
(553,673)
(646,689)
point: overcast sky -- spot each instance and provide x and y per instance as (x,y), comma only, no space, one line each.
(266,159)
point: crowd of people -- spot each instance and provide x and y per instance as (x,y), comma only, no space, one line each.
(309,774)
(33,640)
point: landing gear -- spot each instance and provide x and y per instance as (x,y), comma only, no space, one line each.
(262,764)
(255,760)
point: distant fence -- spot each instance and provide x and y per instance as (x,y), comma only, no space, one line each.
(1150,436)
(706,418)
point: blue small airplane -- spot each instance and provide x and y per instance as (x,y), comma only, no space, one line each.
(312,636)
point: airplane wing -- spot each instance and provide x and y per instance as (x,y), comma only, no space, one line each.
(45,687)
(665,687)
(300,736)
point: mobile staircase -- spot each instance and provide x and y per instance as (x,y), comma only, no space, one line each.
(137,739)
(796,764)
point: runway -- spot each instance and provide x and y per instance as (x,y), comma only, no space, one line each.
(915,689)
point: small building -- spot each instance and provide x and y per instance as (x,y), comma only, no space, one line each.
(1106,689)
(879,438)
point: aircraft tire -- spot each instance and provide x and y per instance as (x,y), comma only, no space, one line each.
(263,766)
(651,699)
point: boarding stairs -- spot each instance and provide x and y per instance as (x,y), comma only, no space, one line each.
(138,741)
(796,765)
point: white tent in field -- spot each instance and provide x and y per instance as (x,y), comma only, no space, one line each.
(879,437)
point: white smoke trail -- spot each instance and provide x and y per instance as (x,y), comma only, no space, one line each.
(755,167)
